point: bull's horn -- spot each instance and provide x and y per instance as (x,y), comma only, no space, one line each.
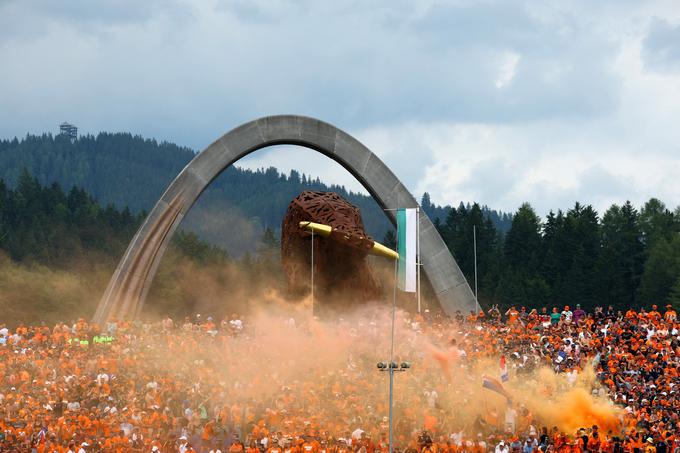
(325,231)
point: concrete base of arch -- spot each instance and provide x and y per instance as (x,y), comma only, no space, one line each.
(128,287)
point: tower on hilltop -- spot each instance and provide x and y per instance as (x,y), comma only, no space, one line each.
(69,130)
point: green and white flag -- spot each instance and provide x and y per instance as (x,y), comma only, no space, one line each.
(406,245)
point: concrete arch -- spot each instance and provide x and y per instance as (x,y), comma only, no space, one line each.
(128,287)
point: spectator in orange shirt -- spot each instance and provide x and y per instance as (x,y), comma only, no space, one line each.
(512,315)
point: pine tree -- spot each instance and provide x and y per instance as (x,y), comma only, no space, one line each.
(426,203)
(583,237)
(656,222)
(661,271)
(523,241)
(674,295)
(621,259)
(553,252)
(520,282)
(4,221)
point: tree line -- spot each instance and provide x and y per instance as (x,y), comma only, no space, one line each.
(129,171)
(44,224)
(58,250)
(61,196)
(626,257)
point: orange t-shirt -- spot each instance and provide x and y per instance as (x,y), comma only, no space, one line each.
(308,447)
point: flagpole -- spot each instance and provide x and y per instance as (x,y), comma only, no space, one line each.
(474,239)
(418,264)
(391,367)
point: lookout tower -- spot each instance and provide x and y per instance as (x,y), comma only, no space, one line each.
(69,130)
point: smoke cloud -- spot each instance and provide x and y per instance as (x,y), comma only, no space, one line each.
(286,361)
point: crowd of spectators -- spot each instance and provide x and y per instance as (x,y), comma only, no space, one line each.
(200,385)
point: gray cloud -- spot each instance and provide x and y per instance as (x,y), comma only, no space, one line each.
(28,19)
(661,47)
(389,72)
(352,65)
(594,186)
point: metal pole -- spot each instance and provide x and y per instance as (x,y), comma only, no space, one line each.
(474,239)
(418,264)
(312,272)
(391,395)
(391,369)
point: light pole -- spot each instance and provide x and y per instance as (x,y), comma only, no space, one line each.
(392,367)
(312,274)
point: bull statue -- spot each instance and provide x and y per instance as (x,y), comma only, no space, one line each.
(342,275)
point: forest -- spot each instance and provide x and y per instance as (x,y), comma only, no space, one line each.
(61,200)
(58,250)
(132,172)
(626,257)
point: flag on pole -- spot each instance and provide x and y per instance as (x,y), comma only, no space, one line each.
(504,370)
(495,386)
(406,246)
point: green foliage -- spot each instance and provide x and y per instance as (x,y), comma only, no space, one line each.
(45,225)
(500,220)
(61,199)
(126,170)
(458,231)
(521,283)
(58,250)
(625,259)
(582,234)
(523,241)
(674,295)
(661,271)
(129,171)
(621,258)
(189,245)
(657,222)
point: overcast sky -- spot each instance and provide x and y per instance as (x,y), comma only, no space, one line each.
(499,102)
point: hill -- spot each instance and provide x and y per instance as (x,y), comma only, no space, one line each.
(130,171)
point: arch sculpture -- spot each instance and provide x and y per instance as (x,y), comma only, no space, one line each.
(127,289)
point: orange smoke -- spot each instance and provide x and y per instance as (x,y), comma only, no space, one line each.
(549,397)
(569,406)
(578,409)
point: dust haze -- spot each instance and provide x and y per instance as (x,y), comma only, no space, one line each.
(283,349)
